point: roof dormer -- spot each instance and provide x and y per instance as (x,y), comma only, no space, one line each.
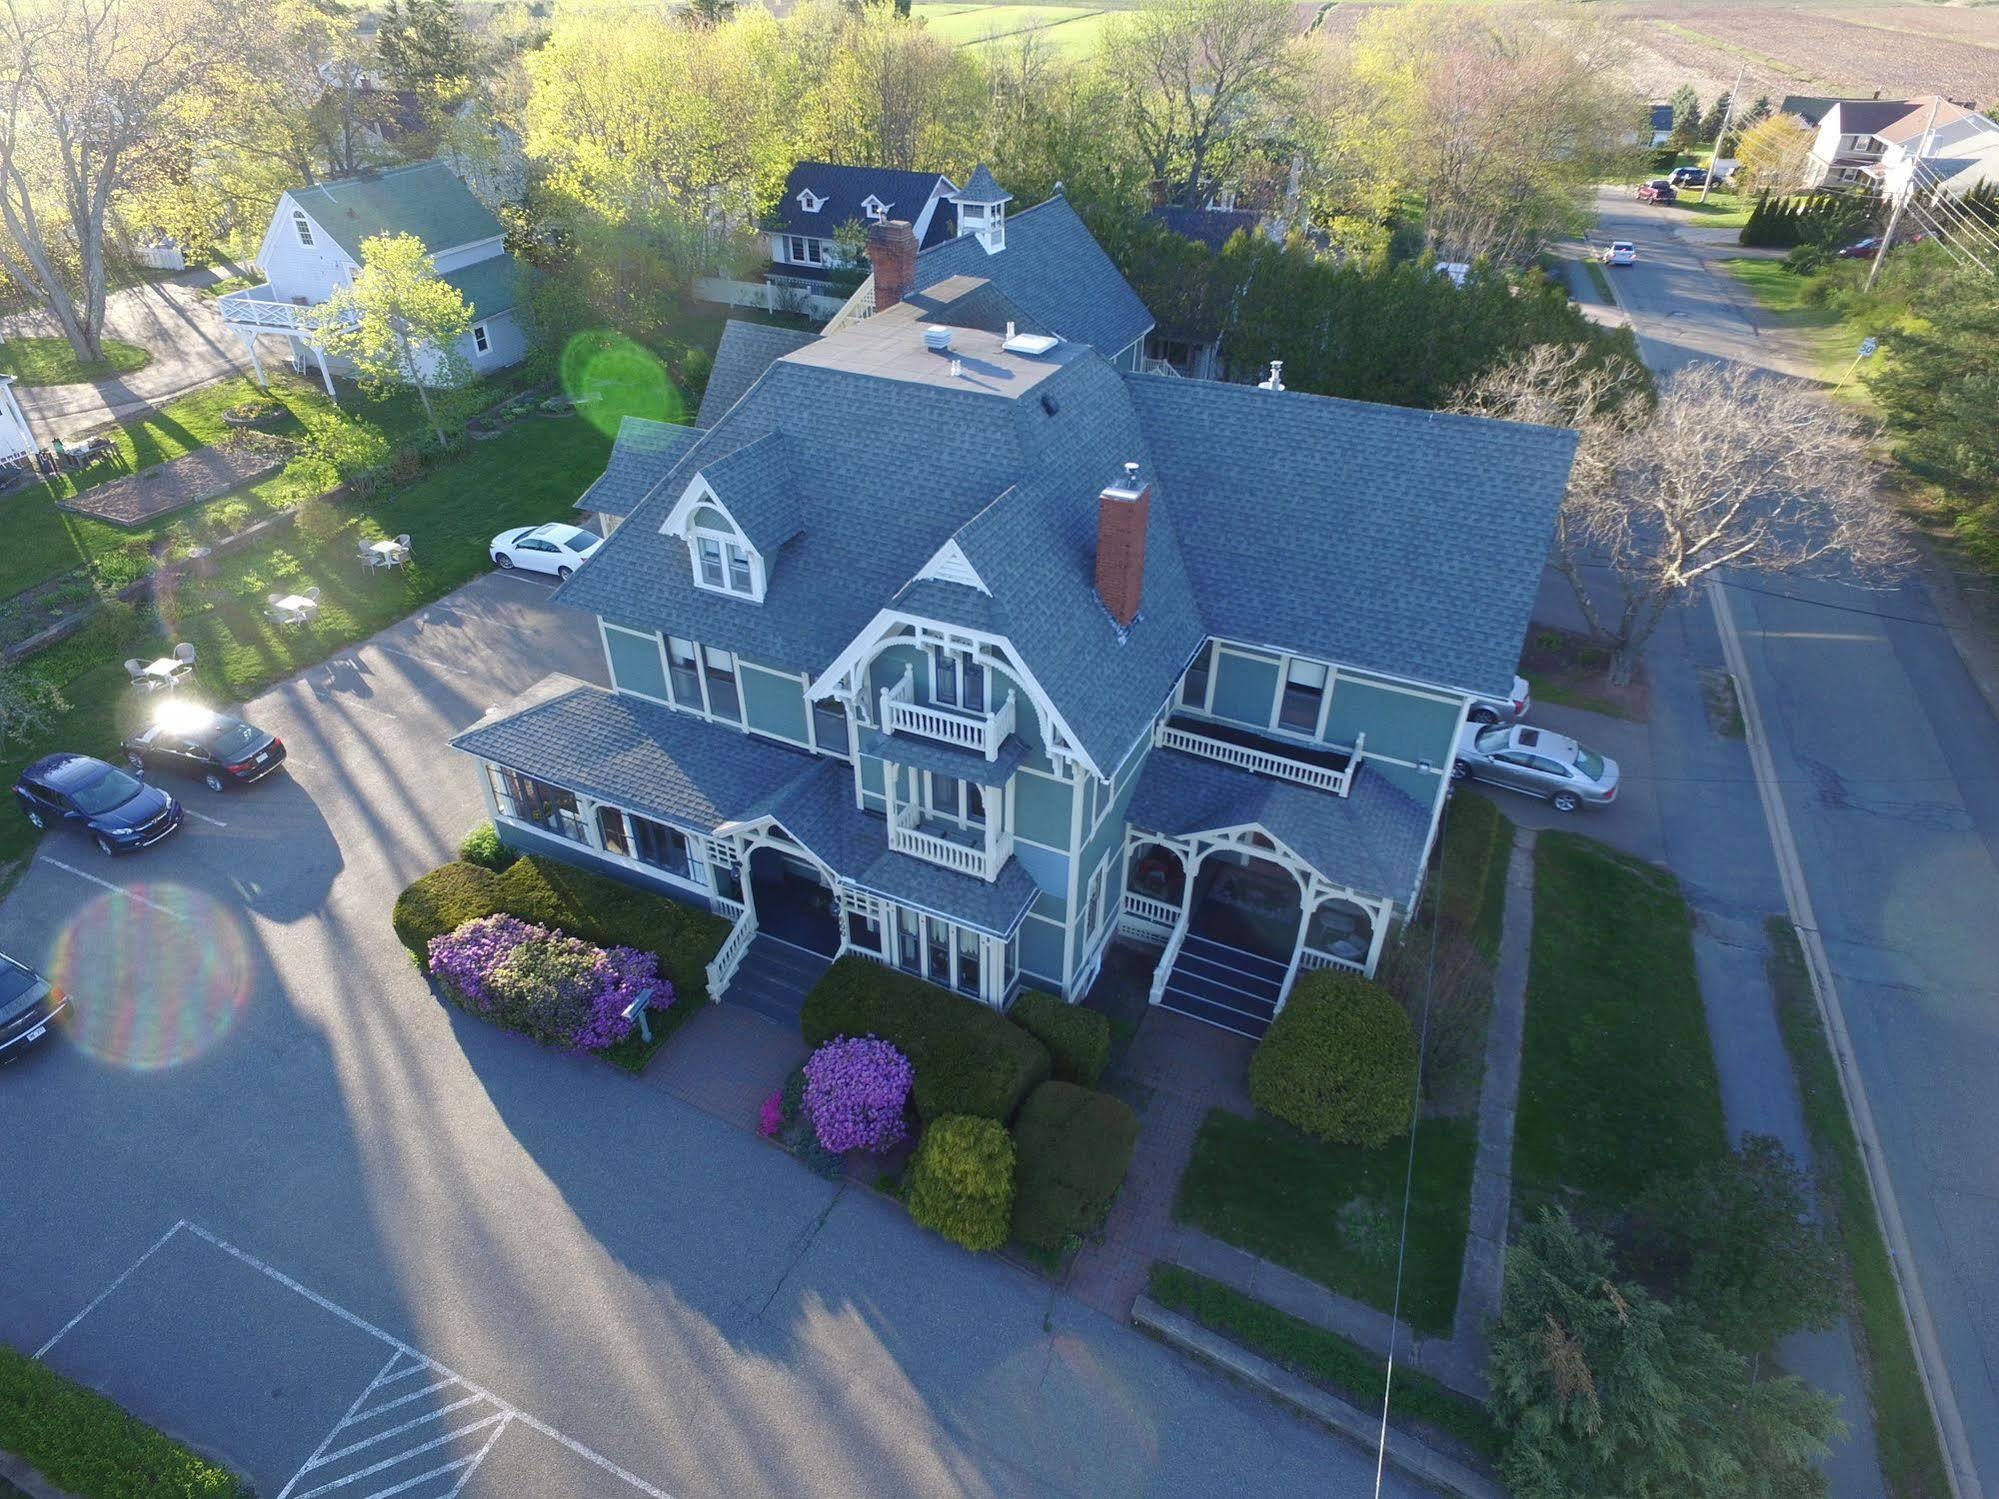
(874,208)
(736,515)
(809,201)
(719,555)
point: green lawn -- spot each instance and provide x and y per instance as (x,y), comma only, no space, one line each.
(1831,339)
(51,361)
(1073,31)
(1471,885)
(1617,1077)
(1333,1212)
(1904,1428)
(1325,1358)
(533,472)
(1723,209)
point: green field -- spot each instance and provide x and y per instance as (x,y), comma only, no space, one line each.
(1071,30)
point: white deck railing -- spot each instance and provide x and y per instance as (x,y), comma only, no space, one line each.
(979,859)
(983,733)
(1311,958)
(730,958)
(1263,762)
(258,307)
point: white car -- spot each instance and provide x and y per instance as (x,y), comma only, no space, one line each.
(1502,709)
(553,548)
(1621,252)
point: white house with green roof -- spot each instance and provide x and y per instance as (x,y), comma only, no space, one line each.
(313,245)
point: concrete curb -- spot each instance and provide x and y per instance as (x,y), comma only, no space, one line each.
(28,1479)
(1407,1453)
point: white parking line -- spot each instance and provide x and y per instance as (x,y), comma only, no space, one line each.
(114,889)
(214,822)
(520,577)
(361,707)
(158,1244)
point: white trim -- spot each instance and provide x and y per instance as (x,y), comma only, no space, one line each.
(810,201)
(482,340)
(949,564)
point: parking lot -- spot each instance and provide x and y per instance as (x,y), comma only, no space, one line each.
(266,1185)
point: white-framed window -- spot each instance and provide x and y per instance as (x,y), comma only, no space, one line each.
(723,561)
(962,802)
(1093,912)
(718,671)
(957,679)
(874,208)
(810,201)
(479,339)
(683,661)
(302,226)
(803,249)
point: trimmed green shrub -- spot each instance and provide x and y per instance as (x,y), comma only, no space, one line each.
(1078,1040)
(551,893)
(443,901)
(87,1445)
(969,1059)
(1073,1145)
(1339,1062)
(482,846)
(960,1180)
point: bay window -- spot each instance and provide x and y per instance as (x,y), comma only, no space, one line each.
(551,808)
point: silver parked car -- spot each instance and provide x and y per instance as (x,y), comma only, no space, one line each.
(1502,709)
(1537,762)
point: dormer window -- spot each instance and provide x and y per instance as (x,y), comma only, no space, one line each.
(810,201)
(874,208)
(302,226)
(723,561)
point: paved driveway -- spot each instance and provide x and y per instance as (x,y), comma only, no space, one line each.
(274,1196)
(171,319)
(1887,758)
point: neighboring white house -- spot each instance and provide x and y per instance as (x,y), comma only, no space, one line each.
(16,441)
(1958,149)
(1855,137)
(313,245)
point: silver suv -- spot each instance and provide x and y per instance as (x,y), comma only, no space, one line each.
(1538,763)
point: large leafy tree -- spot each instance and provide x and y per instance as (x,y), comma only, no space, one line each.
(398,321)
(422,46)
(1603,1389)
(1772,154)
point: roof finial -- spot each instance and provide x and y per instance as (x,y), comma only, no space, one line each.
(1276,380)
(1131,476)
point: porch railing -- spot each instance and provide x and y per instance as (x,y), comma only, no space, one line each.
(258,307)
(721,905)
(982,732)
(1311,958)
(1159,912)
(1166,961)
(730,958)
(1263,762)
(973,859)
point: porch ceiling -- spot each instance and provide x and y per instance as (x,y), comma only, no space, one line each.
(1371,841)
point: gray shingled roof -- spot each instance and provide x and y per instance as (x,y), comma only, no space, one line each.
(745,352)
(1371,841)
(758,485)
(425,199)
(643,453)
(1053,270)
(847,188)
(982,187)
(1389,539)
(947,759)
(643,756)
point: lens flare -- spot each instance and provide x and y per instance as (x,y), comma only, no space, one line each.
(610,378)
(156,977)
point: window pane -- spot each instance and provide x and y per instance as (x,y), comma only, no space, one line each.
(611,830)
(661,846)
(550,808)
(1195,693)
(708,518)
(944,678)
(939,933)
(968,961)
(975,684)
(944,794)
(722,699)
(711,560)
(829,724)
(739,570)
(975,804)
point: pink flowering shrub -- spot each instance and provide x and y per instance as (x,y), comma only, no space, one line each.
(558,989)
(856,1089)
(770,1118)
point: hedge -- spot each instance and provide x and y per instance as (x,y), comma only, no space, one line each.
(607,912)
(969,1059)
(1078,1040)
(960,1180)
(90,1446)
(483,846)
(1073,1146)
(1339,1061)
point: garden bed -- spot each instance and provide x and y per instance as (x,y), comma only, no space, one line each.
(1564,667)
(204,474)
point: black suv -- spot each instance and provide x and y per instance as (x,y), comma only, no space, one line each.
(119,813)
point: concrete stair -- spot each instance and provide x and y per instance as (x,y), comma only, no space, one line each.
(1224,986)
(774,978)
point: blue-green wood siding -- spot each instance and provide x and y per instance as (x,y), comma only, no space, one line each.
(635,663)
(1041,810)
(1245,688)
(774,704)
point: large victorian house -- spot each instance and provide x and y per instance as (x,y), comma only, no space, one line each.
(948,639)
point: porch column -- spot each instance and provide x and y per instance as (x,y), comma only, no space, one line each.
(1380,937)
(486,789)
(992,842)
(250,348)
(325,374)
(992,970)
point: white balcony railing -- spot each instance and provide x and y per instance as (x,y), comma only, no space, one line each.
(730,958)
(980,860)
(258,307)
(1263,762)
(982,733)
(1145,908)
(1311,958)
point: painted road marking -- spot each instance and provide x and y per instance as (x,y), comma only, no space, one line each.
(114,889)
(403,1360)
(214,822)
(1959,1468)
(364,708)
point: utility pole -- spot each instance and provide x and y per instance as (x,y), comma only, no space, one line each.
(1728,114)
(1901,200)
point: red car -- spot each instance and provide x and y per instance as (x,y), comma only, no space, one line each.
(1658,190)
(1865,249)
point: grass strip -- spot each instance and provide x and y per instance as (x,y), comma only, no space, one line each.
(1471,888)
(1618,1081)
(1339,1364)
(92,1447)
(51,361)
(1905,1430)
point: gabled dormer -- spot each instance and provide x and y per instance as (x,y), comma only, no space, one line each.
(809,201)
(733,517)
(874,208)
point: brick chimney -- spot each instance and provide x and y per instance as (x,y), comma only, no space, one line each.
(892,253)
(1122,511)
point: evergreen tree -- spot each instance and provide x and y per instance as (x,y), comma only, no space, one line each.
(1686,116)
(1939,385)
(1716,113)
(1760,110)
(422,45)
(1603,1389)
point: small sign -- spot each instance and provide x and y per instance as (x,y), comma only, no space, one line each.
(1868,346)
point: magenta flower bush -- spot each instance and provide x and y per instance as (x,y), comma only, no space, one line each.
(770,1118)
(558,989)
(856,1089)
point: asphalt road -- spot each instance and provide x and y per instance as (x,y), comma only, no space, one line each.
(273,1196)
(1887,760)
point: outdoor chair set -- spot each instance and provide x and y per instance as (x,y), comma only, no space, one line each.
(164,674)
(386,553)
(291,608)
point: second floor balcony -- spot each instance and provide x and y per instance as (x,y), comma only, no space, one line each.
(262,309)
(975,729)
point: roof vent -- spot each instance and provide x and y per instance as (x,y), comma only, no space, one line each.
(1029,343)
(937,340)
(1276,380)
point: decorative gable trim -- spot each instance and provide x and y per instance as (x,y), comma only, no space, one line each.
(950,565)
(696,494)
(874,208)
(810,201)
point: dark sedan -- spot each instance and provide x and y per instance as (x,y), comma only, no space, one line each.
(120,814)
(211,747)
(29,1004)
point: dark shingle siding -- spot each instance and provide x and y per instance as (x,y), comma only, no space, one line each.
(745,352)
(846,188)
(644,453)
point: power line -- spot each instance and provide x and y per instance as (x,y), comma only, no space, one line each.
(1961,253)
(1938,197)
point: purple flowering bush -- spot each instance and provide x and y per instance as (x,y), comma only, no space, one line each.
(558,989)
(856,1089)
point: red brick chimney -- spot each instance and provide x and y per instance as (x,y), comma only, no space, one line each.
(1122,511)
(892,253)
